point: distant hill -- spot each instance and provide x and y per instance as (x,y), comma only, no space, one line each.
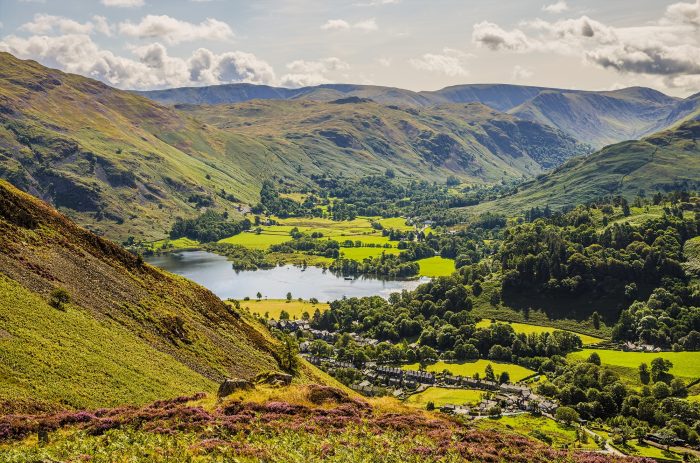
(597,118)
(665,161)
(123,165)
(130,334)
(356,135)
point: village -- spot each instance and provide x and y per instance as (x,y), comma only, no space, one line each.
(377,379)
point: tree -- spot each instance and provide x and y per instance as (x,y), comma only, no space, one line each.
(289,297)
(640,432)
(495,411)
(58,298)
(660,390)
(284,315)
(660,368)
(430,406)
(504,377)
(594,358)
(644,375)
(678,388)
(259,295)
(489,374)
(566,415)
(288,359)
(595,318)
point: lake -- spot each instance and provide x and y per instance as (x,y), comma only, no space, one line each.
(216,273)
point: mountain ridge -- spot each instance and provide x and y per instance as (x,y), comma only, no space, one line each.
(597,118)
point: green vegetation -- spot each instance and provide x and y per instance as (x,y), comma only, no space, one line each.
(173,336)
(666,161)
(440,396)
(436,266)
(360,254)
(272,308)
(543,429)
(537,329)
(67,356)
(686,365)
(516,372)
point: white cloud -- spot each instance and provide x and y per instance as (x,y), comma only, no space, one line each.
(495,37)
(102,25)
(556,8)
(366,25)
(152,67)
(668,47)
(521,72)
(45,23)
(123,3)
(307,73)
(335,25)
(688,13)
(174,30)
(449,62)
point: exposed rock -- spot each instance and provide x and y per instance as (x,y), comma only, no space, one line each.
(229,386)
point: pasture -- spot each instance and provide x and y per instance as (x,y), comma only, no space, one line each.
(274,307)
(685,364)
(516,372)
(442,396)
(436,267)
(529,329)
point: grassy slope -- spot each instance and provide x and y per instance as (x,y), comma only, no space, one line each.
(664,161)
(114,161)
(69,357)
(364,137)
(686,365)
(167,330)
(528,329)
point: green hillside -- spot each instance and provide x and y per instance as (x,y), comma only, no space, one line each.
(357,136)
(666,161)
(129,333)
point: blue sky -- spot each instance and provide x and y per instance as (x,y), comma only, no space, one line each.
(419,45)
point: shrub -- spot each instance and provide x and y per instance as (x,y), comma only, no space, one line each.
(58,298)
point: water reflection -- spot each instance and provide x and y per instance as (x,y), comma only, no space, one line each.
(215,272)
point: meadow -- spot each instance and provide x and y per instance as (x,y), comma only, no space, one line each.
(685,364)
(440,396)
(273,307)
(179,244)
(516,372)
(529,329)
(634,448)
(436,267)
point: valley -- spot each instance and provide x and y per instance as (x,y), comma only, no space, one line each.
(344,272)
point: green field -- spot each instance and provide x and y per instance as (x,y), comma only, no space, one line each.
(562,436)
(436,267)
(441,396)
(528,329)
(685,364)
(359,254)
(273,307)
(516,372)
(257,241)
(396,223)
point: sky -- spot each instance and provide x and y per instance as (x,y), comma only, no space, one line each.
(411,44)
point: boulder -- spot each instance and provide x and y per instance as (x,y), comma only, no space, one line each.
(229,386)
(318,394)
